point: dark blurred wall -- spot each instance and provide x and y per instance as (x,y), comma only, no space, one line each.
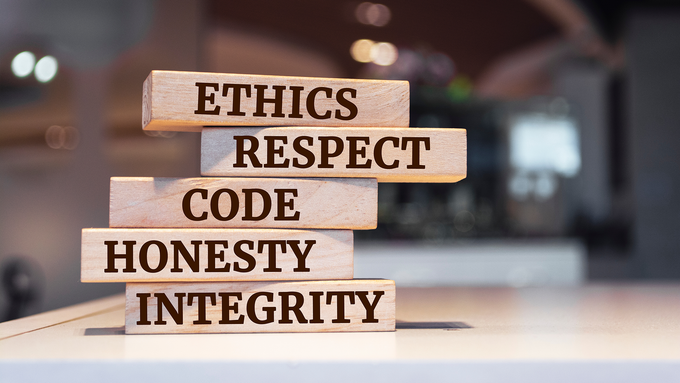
(653,67)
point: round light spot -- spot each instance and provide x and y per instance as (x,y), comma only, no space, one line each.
(384,54)
(55,137)
(46,69)
(378,15)
(361,50)
(23,63)
(58,137)
(520,186)
(546,185)
(71,138)
(360,12)
(373,14)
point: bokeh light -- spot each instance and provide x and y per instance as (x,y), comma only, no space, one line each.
(23,63)
(361,50)
(377,15)
(546,185)
(384,54)
(58,137)
(46,69)
(460,88)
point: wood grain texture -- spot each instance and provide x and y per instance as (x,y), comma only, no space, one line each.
(163,255)
(220,307)
(390,154)
(177,101)
(309,203)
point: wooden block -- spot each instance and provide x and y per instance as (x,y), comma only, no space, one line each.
(302,203)
(390,155)
(187,101)
(221,307)
(138,255)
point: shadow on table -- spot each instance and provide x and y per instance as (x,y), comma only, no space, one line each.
(98,331)
(432,325)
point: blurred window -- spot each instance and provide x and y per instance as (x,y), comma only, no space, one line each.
(545,143)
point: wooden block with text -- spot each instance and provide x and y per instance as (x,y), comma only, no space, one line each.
(224,307)
(301,203)
(389,154)
(158,255)
(188,101)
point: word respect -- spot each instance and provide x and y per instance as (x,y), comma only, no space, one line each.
(357,152)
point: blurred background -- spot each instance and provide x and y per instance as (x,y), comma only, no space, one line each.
(570,107)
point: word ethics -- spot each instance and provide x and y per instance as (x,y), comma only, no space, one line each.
(188,101)
(206,100)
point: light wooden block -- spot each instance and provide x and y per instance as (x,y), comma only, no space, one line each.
(390,155)
(301,203)
(223,307)
(166,255)
(187,101)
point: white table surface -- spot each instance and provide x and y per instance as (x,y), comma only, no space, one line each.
(603,333)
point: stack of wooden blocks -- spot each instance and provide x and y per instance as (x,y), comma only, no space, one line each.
(264,242)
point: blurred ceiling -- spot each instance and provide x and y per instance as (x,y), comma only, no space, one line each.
(472,33)
(180,35)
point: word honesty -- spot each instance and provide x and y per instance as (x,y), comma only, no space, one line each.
(187,101)
(310,203)
(309,306)
(390,154)
(137,255)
